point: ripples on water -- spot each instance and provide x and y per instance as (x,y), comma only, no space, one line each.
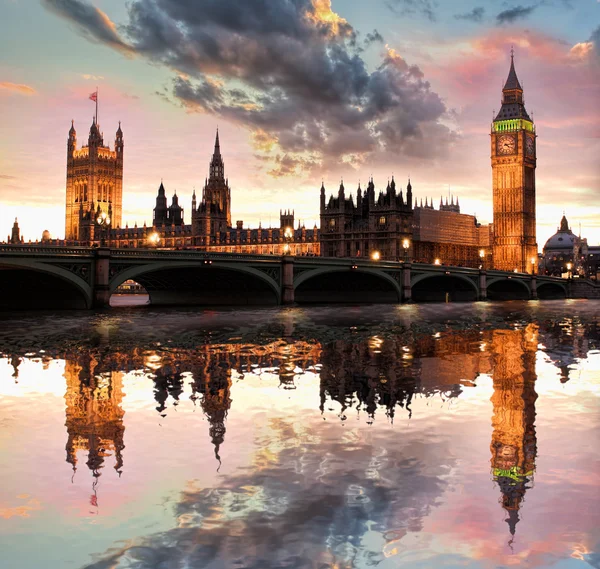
(432,436)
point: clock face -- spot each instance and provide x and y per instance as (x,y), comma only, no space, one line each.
(530,145)
(506,144)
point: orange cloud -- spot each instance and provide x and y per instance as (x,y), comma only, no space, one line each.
(17,88)
(24,511)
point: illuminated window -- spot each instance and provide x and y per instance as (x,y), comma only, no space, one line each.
(382,220)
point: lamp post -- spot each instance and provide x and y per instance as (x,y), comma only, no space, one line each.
(482,257)
(154,239)
(406,246)
(437,262)
(103,221)
(288,236)
(533,271)
(375,255)
(569,267)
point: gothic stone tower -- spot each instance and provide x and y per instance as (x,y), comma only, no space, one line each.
(94,180)
(214,212)
(513,170)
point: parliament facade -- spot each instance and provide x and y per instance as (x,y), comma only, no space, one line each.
(388,224)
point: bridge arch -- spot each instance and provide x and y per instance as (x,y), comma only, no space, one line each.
(439,287)
(194,282)
(342,284)
(547,291)
(508,288)
(27,284)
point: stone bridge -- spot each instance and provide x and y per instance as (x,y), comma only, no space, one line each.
(33,277)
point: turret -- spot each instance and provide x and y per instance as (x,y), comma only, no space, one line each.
(409,193)
(72,141)
(175,216)
(15,236)
(322,196)
(95,138)
(160,211)
(119,143)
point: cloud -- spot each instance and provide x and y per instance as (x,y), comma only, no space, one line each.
(413,7)
(94,77)
(373,37)
(513,14)
(475,15)
(17,88)
(291,70)
(7,177)
(91,21)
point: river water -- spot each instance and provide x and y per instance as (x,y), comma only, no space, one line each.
(412,436)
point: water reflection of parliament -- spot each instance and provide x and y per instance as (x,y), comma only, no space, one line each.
(373,374)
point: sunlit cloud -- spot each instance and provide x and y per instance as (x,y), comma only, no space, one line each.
(17,88)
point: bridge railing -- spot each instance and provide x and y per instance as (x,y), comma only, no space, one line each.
(18,250)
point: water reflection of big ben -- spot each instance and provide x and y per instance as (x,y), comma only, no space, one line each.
(212,378)
(514,443)
(94,415)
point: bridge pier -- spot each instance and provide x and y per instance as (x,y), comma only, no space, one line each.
(406,286)
(534,295)
(101,288)
(287,279)
(482,285)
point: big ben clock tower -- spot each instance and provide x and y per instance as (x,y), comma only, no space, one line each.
(513,170)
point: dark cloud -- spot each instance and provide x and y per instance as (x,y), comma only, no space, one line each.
(299,507)
(373,37)
(292,70)
(513,14)
(413,7)
(595,37)
(475,15)
(7,177)
(91,21)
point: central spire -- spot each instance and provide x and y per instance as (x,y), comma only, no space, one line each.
(512,81)
(217,151)
(217,168)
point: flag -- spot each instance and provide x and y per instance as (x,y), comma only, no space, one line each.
(94,96)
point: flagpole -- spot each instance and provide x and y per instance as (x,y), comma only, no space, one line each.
(96,105)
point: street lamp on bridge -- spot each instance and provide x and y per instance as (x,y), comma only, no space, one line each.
(406,246)
(288,236)
(482,257)
(103,221)
(154,239)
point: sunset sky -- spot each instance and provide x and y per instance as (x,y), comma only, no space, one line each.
(302,91)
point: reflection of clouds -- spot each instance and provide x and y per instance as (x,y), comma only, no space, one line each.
(317,498)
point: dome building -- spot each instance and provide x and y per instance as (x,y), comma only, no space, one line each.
(565,252)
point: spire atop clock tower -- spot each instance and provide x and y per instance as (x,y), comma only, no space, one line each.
(513,105)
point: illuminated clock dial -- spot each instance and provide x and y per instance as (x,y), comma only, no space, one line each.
(506,144)
(530,146)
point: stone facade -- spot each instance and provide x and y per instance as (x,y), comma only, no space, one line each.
(374,224)
(94,183)
(391,227)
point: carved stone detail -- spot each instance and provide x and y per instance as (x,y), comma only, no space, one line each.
(272,272)
(82,270)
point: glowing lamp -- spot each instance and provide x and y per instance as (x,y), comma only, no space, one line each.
(375,255)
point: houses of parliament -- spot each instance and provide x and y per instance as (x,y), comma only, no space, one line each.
(390,224)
